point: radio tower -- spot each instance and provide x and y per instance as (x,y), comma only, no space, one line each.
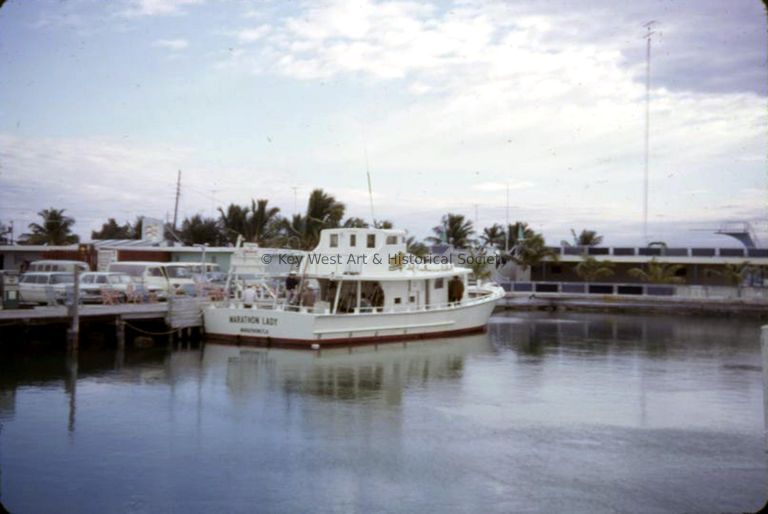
(647,36)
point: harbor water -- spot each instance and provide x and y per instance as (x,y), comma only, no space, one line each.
(546,412)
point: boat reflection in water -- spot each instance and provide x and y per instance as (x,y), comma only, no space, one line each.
(367,373)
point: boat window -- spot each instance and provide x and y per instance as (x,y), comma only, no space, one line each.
(101,279)
(154,272)
(353,240)
(438,283)
(398,300)
(42,279)
(371,240)
(412,299)
(86,279)
(334,240)
(391,240)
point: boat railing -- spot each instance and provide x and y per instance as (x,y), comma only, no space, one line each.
(472,298)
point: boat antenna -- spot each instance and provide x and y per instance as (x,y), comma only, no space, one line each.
(370,189)
(178,193)
(647,36)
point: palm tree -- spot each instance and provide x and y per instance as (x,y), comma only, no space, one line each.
(354,222)
(590,269)
(494,236)
(415,248)
(56,229)
(454,229)
(199,230)
(111,230)
(260,221)
(516,230)
(586,238)
(657,272)
(235,222)
(478,264)
(532,251)
(735,274)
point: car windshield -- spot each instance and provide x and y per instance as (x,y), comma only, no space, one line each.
(62,279)
(119,279)
(178,272)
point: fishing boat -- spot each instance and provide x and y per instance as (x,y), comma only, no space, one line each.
(358,286)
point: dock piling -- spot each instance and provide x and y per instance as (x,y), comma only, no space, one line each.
(73,334)
(120,332)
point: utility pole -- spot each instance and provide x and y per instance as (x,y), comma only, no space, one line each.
(178,193)
(647,36)
(370,189)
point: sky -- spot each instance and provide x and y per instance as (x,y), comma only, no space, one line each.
(449,105)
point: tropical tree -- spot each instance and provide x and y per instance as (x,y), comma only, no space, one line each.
(303,231)
(590,269)
(112,230)
(494,236)
(56,229)
(518,231)
(735,274)
(586,238)
(199,230)
(354,222)
(657,272)
(532,251)
(234,221)
(260,221)
(384,224)
(415,247)
(478,264)
(454,229)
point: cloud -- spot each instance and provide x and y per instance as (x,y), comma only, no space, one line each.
(249,35)
(157,7)
(172,44)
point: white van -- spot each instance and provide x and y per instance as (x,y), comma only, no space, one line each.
(52,265)
(181,275)
(151,275)
(45,287)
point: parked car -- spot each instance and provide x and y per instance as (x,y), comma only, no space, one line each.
(97,286)
(148,275)
(45,287)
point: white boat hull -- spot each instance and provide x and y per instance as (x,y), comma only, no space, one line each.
(290,328)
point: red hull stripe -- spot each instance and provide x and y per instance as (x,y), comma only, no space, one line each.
(274,342)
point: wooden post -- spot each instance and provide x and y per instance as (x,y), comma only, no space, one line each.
(764,348)
(73,335)
(120,333)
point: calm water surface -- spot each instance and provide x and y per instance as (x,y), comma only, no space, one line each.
(560,412)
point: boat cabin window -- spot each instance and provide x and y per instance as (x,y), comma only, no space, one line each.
(398,301)
(391,240)
(412,299)
(154,272)
(101,279)
(353,240)
(371,240)
(334,240)
(438,283)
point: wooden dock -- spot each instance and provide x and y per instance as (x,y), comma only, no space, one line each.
(180,316)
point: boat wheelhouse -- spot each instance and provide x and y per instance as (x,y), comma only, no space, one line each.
(357,286)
